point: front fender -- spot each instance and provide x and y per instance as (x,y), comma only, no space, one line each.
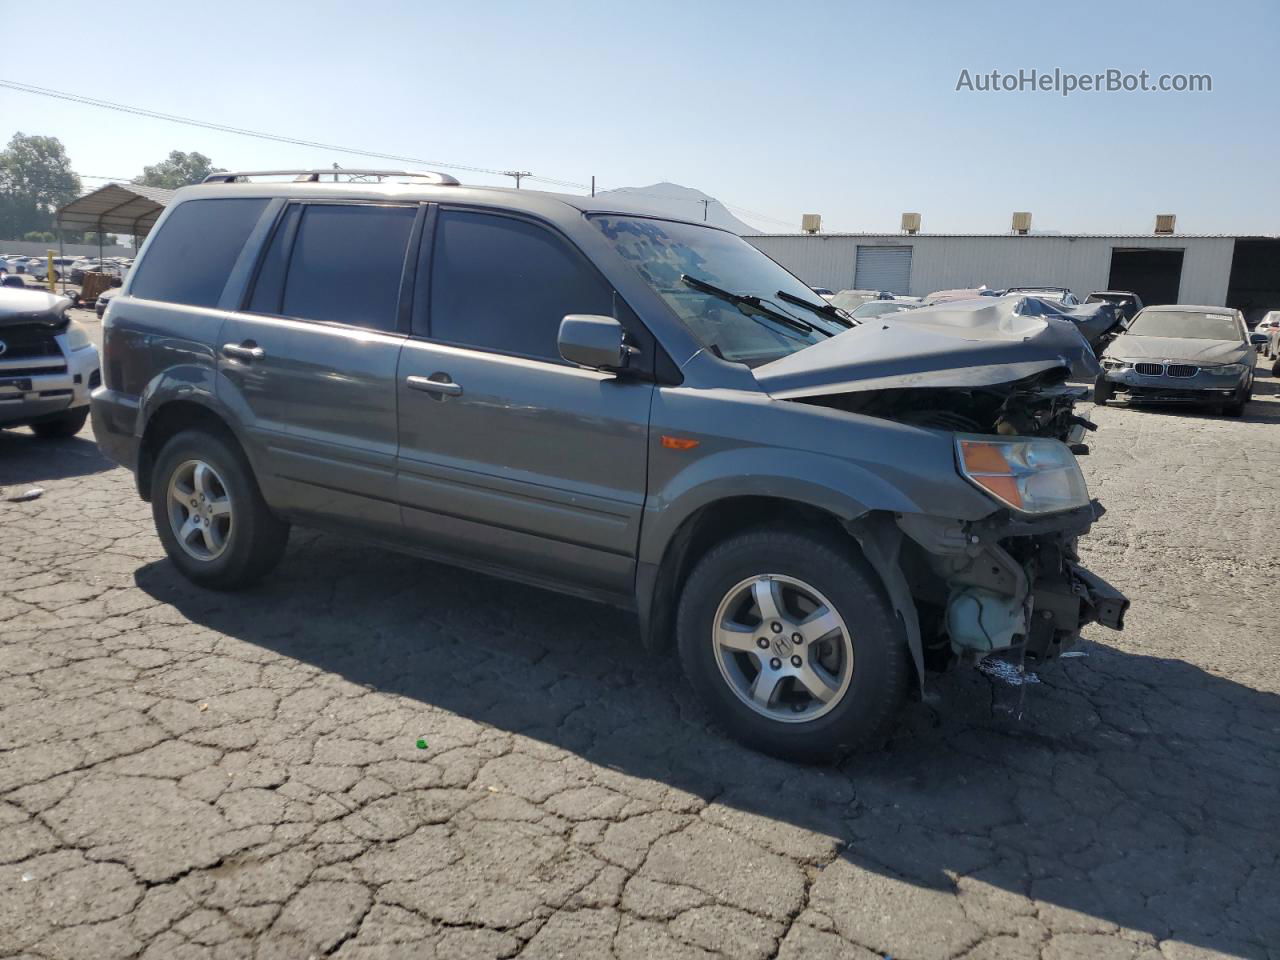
(832,484)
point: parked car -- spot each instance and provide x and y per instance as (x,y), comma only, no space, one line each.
(113,270)
(1126,301)
(1098,322)
(48,364)
(1060,294)
(1181,354)
(13,280)
(850,300)
(957,295)
(880,308)
(104,300)
(644,411)
(823,292)
(1268,325)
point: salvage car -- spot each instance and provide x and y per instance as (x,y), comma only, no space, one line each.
(1098,322)
(1060,295)
(803,510)
(1178,353)
(48,364)
(1127,302)
(1268,325)
(880,308)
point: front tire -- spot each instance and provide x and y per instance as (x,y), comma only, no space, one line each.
(787,639)
(1101,391)
(66,425)
(210,515)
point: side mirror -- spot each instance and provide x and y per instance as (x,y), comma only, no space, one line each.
(594,342)
(1258,338)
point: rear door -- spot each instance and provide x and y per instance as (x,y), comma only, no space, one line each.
(309,365)
(510,456)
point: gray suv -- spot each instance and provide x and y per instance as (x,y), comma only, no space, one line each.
(809,510)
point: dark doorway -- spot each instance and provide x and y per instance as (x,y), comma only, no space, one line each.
(1254,287)
(1154,275)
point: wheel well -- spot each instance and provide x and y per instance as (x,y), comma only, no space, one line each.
(706,527)
(171,419)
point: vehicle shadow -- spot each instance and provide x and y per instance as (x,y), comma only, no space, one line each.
(25,458)
(1136,792)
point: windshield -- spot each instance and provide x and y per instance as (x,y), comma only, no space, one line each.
(1184,324)
(878,308)
(663,251)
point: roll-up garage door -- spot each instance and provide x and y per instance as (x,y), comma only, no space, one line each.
(883,268)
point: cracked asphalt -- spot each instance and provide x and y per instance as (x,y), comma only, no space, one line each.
(193,775)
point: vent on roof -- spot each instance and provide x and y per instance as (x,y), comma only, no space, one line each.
(810,222)
(1022,222)
(911,223)
(1165,222)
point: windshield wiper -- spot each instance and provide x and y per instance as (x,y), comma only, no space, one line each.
(753,305)
(826,310)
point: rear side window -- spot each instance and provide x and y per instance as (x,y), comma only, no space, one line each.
(191,258)
(347,264)
(504,284)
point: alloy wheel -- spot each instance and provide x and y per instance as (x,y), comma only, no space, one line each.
(782,648)
(199,510)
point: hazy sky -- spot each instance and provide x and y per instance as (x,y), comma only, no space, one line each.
(844,109)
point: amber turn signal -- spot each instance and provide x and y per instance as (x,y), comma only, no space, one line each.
(678,443)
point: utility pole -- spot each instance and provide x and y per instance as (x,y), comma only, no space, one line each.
(704,208)
(593,184)
(518,174)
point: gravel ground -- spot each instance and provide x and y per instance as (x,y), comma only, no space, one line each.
(185,774)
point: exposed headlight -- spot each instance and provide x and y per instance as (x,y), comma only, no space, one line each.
(1111,363)
(77,337)
(1227,369)
(1030,475)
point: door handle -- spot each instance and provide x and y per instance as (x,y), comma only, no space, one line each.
(243,351)
(437,383)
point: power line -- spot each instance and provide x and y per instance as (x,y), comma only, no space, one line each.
(315,144)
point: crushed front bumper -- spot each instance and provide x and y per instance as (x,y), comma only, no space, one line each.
(1009,582)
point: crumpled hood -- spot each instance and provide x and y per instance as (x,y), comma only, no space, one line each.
(969,343)
(1128,347)
(31,306)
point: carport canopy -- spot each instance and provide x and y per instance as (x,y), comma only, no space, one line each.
(116,208)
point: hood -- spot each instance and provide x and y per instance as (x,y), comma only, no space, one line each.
(31,306)
(1128,347)
(971,343)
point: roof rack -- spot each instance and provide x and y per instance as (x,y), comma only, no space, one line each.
(313,176)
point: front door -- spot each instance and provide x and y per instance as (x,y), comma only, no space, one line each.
(310,365)
(509,455)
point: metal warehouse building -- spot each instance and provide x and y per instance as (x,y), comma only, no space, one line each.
(1232,271)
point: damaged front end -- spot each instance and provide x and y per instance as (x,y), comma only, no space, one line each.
(1004,584)
(995,376)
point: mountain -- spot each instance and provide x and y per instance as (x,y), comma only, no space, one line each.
(685,203)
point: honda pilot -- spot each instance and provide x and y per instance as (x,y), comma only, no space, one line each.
(809,511)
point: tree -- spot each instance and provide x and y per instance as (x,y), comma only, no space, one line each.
(179,170)
(35,178)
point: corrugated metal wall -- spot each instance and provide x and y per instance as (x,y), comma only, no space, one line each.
(946,262)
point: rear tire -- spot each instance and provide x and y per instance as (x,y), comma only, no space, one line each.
(1101,391)
(67,425)
(861,664)
(216,528)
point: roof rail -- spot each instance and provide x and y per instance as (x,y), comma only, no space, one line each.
(313,176)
